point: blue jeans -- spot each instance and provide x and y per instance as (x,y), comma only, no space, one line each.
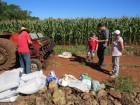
(25,62)
(100,54)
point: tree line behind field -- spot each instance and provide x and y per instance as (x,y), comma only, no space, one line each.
(14,12)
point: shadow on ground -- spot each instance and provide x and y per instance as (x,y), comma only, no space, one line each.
(90,64)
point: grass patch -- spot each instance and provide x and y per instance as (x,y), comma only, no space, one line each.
(123,84)
(108,51)
(128,51)
(73,49)
(81,49)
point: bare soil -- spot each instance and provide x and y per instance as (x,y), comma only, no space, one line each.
(76,65)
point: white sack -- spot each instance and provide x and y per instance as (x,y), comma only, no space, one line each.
(71,81)
(32,86)
(37,74)
(20,69)
(21,83)
(8,93)
(65,55)
(78,85)
(9,79)
(63,82)
(27,77)
(10,99)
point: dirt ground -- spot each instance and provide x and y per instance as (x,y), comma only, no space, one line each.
(129,66)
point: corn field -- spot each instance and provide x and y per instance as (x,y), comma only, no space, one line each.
(76,31)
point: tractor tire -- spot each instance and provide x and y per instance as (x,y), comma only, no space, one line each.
(7,54)
(35,65)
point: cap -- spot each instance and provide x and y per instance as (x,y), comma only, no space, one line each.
(117,32)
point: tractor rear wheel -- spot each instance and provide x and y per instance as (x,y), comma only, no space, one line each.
(35,65)
(7,54)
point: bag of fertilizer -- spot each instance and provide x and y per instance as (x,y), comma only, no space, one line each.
(32,86)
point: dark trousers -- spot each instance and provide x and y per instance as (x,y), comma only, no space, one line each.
(100,54)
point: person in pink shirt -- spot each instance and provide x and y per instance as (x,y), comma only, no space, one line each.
(23,49)
(117,49)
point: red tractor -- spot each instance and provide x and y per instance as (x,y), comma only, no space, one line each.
(40,49)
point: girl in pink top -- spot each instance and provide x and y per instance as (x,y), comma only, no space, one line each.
(117,49)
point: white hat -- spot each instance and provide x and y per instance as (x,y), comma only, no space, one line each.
(117,32)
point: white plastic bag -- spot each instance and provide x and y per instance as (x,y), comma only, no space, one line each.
(79,85)
(63,82)
(37,74)
(8,93)
(32,86)
(9,79)
(71,81)
(65,55)
(10,99)
(87,81)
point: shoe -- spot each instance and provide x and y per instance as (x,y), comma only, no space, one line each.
(87,60)
(99,67)
(99,64)
(113,76)
(111,73)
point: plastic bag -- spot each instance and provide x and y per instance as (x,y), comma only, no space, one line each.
(64,80)
(96,86)
(52,76)
(79,85)
(32,86)
(69,77)
(82,75)
(87,81)
(71,81)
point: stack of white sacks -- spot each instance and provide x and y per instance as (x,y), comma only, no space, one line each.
(14,82)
